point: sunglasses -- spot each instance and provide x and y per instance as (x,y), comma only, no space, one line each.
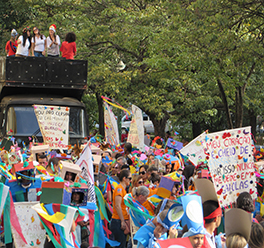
(140,182)
(142,173)
(129,178)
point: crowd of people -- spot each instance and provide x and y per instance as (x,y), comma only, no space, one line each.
(150,200)
(147,220)
(38,45)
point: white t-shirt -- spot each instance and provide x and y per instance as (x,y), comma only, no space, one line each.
(23,50)
(39,43)
(54,49)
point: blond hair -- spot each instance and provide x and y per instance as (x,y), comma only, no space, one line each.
(235,240)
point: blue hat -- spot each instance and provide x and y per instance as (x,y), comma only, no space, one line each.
(173,215)
(193,215)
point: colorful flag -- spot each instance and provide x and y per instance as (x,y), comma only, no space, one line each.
(57,220)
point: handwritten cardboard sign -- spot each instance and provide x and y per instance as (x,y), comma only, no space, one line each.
(30,226)
(194,150)
(111,129)
(54,125)
(136,129)
(230,159)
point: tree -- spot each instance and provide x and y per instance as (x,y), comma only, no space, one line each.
(189,59)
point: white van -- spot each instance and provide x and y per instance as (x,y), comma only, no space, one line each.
(148,125)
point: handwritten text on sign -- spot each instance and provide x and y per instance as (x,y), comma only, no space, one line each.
(54,125)
(111,129)
(229,155)
(30,226)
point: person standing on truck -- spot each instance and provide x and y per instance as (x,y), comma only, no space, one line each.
(68,47)
(39,43)
(24,43)
(11,45)
(53,42)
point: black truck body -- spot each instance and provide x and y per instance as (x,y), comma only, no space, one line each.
(44,81)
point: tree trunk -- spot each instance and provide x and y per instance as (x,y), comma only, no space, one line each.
(196,129)
(253,122)
(224,100)
(101,114)
(240,91)
(159,125)
(239,106)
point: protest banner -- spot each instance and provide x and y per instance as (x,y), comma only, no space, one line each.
(194,150)
(86,164)
(110,123)
(231,164)
(30,226)
(54,125)
(136,129)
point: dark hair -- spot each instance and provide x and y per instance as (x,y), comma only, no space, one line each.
(41,35)
(25,37)
(262,223)
(123,173)
(85,245)
(118,155)
(168,165)
(125,166)
(54,35)
(128,147)
(154,177)
(187,173)
(159,142)
(245,202)
(55,161)
(208,208)
(144,166)
(168,132)
(152,168)
(42,156)
(70,37)
(256,239)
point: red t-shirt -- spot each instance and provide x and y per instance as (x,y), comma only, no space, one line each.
(11,47)
(68,49)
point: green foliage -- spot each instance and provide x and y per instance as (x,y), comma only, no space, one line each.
(175,54)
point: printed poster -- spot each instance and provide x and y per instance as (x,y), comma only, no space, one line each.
(194,150)
(136,129)
(30,226)
(231,164)
(111,128)
(54,125)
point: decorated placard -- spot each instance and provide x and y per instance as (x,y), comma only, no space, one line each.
(86,164)
(230,159)
(30,226)
(136,129)
(194,150)
(174,144)
(110,123)
(54,125)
